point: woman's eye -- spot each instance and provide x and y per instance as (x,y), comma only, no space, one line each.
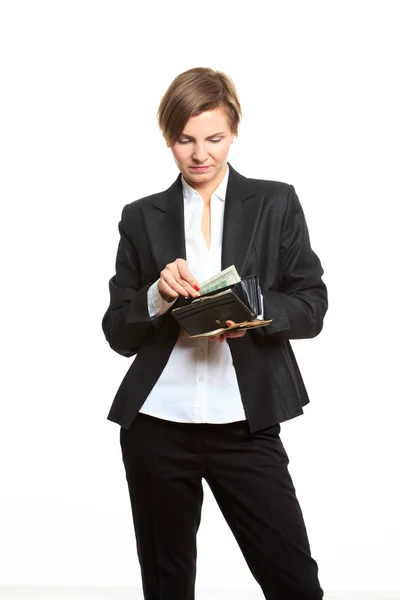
(213,141)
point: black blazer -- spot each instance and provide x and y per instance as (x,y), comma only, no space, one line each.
(265,232)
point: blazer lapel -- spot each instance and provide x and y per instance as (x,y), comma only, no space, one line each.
(164,223)
(243,205)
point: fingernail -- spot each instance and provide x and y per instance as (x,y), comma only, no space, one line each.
(229,323)
(197,288)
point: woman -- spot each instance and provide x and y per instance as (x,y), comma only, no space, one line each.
(211,408)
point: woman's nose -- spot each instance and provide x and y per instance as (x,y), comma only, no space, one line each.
(199,153)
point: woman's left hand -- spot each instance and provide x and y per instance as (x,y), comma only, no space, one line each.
(230,334)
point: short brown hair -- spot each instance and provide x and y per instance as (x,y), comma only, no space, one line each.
(192,93)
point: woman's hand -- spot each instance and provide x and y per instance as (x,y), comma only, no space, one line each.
(176,280)
(230,334)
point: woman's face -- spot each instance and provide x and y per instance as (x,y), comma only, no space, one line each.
(202,149)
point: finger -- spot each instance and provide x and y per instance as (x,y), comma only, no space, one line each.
(172,271)
(236,334)
(167,279)
(166,291)
(216,337)
(186,275)
(223,336)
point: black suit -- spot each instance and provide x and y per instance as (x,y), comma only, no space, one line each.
(264,232)
(244,463)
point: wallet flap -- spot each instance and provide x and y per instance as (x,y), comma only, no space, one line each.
(211,312)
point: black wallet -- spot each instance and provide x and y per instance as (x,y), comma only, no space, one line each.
(239,302)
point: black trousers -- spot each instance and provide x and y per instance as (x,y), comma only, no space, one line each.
(247,473)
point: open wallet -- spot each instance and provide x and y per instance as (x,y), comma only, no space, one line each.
(207,315)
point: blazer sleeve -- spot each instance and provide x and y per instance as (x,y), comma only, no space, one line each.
(299,307)
(127,320)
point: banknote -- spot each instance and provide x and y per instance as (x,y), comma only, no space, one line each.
(244,325)
(226,277)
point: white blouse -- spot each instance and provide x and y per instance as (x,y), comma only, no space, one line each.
(198,384)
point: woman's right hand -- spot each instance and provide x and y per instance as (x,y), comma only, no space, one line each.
(176,280)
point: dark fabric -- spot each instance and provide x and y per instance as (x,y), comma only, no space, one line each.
(165,464)
(265,232)
(240,302)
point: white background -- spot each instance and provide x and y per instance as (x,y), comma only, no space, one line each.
(81,82)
